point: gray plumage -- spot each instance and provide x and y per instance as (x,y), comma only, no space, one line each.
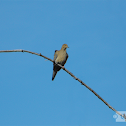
(60,57)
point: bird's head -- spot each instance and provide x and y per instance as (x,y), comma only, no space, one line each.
(64,46)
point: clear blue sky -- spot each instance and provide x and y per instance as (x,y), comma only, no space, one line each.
(94,30)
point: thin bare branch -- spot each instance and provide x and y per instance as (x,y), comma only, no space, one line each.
(39,54)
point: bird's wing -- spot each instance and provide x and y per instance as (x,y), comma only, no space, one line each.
(55,55)
(66,58)
(55,67)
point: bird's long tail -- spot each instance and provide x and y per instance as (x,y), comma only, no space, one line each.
(54,74)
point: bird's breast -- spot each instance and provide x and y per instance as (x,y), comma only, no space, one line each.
(61,58)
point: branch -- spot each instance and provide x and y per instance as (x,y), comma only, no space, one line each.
(20,50)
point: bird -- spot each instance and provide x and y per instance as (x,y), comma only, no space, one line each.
(60,57)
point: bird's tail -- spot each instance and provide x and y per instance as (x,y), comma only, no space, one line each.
(54,74)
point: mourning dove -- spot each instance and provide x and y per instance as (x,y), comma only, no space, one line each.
(60,57)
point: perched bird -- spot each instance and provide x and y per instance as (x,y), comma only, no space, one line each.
(60,57)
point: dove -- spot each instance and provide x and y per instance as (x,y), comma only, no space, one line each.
(60,57)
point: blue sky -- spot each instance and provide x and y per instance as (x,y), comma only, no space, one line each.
(95,32)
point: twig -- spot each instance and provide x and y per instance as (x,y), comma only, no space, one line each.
(21,50)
